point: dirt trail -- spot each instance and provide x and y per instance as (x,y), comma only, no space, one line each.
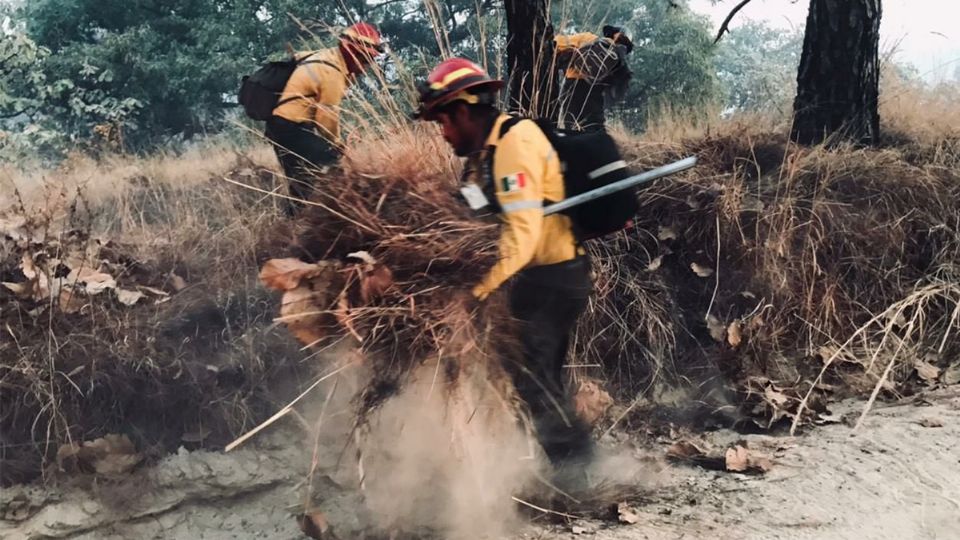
(895,479)
(899,477)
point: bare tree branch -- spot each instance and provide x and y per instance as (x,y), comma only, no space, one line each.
(27,111)
(726,22)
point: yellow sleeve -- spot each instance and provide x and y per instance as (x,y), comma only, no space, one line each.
(569,43)
(518,171)
(331,88)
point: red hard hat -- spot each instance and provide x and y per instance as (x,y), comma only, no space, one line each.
(449,82)
(363,36)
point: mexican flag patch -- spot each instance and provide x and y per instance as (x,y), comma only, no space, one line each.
(514,182)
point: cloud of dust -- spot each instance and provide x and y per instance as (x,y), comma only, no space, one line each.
(446,455)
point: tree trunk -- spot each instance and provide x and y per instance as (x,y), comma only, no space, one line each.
(529,57)
(837,83)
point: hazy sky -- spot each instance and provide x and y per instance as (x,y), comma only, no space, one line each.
(928,31)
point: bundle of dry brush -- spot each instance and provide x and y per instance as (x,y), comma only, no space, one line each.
(377,255)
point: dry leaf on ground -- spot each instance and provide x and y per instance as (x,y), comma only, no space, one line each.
(37,285)
(315,525)
(302,315)
(155,291)
(717,329)
(128,298)
(577,529)
(740,459)
(15,228)
(23,290)
(734,335)
(735,459)
(94,282)
(684,450)
(838,354)
(375,283)
(655,263)
(775,397)
(700,270)
(827,419)
(178,282)
(666,233)
(931,422)
(928,372)
(286,274)
(110,455)
(69,301)
(951,375)
(626,514)
(591,401)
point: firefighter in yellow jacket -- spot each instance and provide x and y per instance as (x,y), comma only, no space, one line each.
(547,268)
(305,126)
(593,67)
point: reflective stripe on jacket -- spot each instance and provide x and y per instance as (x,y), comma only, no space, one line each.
(526,172)
(314,92)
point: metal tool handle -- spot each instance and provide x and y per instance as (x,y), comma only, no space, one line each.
(659,172)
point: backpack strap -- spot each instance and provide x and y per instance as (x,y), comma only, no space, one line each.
(509,123)
(545,126)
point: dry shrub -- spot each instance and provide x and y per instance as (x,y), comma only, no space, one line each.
(189,360)
(767,255)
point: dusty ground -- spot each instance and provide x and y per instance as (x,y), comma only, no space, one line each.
(899,477)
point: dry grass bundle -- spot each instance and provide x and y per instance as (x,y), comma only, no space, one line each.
(395,205)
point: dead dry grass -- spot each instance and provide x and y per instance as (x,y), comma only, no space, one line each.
(185,365)
(774,263)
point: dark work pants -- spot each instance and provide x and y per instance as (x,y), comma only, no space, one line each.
(583,106)
(547,301)
(301,151)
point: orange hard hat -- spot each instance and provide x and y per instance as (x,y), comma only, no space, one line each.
(363,36)
(452,80)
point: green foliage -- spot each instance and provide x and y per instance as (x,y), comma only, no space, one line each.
(36,110)
(671,61)
(140,72)
(182,60)
(757,67)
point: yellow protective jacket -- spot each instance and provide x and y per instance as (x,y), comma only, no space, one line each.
(314,92)
(566,51)
(526,172)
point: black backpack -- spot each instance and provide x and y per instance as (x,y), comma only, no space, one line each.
(590,160)
(260,91)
